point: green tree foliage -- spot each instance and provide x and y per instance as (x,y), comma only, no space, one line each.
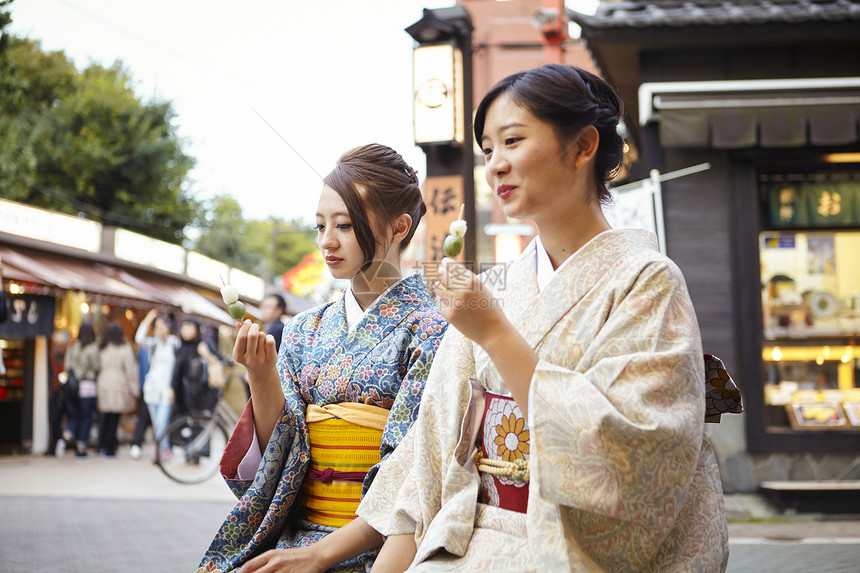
(265,248)
(84,142)
(292,242)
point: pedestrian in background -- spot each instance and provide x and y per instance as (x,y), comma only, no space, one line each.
(83,359)
(158,394)
(60,400)
(117,387)
(144,419)
(272,311)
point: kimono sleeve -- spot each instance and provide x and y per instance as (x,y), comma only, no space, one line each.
(618,431)
(242,438)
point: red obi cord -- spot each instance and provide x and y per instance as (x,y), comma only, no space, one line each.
(327,475)
(504,436)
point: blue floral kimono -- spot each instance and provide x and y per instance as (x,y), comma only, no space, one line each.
(384,362)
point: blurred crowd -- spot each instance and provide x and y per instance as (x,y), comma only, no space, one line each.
(99,379)
(109,389)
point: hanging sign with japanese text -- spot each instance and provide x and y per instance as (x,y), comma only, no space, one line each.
(814,204)
(443,196)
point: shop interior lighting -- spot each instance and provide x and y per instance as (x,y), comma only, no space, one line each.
(15,288)
(819,354)
(85,308)
(842,158)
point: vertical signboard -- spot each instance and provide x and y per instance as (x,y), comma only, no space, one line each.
(443,196)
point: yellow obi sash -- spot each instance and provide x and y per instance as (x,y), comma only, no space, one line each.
(345,441)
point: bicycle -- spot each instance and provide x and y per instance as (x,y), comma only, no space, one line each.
(197,440)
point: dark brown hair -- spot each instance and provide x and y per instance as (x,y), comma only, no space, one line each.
(113,334)
(567,98)
(86,334)
(377,186)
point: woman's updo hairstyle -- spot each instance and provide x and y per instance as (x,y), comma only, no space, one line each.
(377,186)
(568,98)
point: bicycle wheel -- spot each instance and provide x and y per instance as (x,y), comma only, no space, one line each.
(196,442)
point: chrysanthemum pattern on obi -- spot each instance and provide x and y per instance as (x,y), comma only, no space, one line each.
(505,437)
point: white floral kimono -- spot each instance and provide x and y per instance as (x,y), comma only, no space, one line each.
(622,476)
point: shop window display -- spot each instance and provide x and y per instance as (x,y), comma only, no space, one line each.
(811,318)
(810,287)
(11,391)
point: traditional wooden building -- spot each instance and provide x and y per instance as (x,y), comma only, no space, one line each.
(58,271)
(767,93)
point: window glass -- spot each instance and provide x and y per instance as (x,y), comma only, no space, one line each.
(810,288)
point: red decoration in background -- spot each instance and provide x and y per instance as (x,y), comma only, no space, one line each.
(304,278)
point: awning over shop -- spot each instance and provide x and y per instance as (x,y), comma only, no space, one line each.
(71,274)
(747,113)
(107,284)
(14,273)
(180,296)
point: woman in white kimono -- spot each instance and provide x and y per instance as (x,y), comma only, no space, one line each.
(330,407)
(562,425)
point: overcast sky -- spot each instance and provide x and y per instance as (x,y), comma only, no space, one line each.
(268,94)
(326,76)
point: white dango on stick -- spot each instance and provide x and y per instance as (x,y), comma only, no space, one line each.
(230,296)
(453,244)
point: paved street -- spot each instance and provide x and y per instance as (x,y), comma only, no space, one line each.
(103,516)
(60,515)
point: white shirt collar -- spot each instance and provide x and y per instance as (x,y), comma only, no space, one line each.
(354,314)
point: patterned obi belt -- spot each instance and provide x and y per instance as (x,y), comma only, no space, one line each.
(503,456)
(345,441)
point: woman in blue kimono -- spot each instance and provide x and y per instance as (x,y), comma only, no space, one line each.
(331,406)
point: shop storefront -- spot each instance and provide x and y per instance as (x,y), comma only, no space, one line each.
(810,275)
(28,318)
(768,237)
(58,271)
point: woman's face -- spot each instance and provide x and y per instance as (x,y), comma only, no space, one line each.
(526,166)
(188,331)
(336,236)
(161,330)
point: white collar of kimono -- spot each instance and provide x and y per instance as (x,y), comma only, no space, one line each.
(545,272)
(354,314)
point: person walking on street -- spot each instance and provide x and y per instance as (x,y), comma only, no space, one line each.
(83,359)
(117,387)
(158,394)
